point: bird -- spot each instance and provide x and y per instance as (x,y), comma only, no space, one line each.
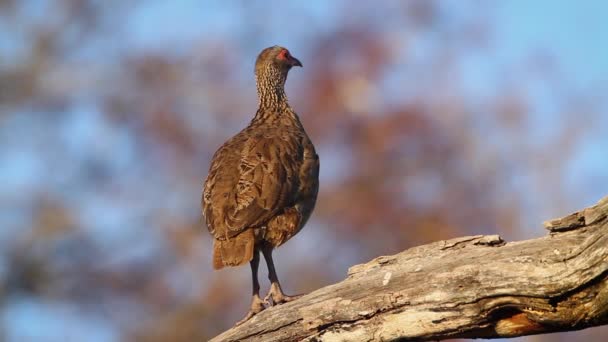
(263,182)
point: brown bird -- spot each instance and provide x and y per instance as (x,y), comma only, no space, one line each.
(263,182)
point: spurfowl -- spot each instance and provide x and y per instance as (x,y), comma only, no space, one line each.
(263,182)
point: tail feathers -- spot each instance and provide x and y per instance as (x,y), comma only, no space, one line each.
(235,251)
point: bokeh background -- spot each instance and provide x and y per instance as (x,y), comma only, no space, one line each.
(432,119)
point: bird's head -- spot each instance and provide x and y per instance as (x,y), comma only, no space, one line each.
(275,61)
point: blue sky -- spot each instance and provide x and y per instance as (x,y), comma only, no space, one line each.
(575,31)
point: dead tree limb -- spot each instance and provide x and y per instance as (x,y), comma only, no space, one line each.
(468,287)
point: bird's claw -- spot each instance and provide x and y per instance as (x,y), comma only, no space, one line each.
(276,296)
(257,306)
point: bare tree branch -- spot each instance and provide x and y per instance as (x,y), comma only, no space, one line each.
(468,287)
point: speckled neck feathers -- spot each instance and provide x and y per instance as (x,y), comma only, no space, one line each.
(271,88)
(272,100)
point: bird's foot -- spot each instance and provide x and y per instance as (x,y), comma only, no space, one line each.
(257,306)
(277,296)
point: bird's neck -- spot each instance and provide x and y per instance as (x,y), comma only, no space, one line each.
(271,97)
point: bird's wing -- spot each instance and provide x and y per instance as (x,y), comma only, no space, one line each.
(250,189)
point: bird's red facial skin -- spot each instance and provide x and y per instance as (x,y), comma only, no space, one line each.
(284,55)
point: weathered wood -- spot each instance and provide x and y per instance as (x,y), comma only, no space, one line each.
(475,286)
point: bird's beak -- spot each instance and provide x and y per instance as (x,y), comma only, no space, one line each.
(294,61)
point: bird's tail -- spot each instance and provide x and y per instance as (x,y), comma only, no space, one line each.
(235,251)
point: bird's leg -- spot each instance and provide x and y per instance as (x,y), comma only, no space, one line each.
(257,305)
(275,293)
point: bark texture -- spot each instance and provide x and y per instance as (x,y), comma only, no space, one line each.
(468,287)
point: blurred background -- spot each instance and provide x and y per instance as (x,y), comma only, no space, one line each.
(432,119)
